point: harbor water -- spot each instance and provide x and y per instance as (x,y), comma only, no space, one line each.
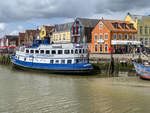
(33,92)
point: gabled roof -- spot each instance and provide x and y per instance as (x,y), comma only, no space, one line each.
(11,37)
(63,27)
(139,17)
(109,25)
(88,22)
(49,29)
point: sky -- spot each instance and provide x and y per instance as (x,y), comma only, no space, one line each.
(19,15)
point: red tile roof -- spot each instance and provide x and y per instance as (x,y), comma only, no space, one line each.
(110,26)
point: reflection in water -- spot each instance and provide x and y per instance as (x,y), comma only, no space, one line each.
(25,92)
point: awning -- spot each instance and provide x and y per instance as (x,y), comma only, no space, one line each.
(125,42)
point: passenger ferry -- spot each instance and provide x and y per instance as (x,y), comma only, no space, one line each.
(64,58)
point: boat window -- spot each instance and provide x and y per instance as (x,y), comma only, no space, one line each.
(24,59)
(31,51)
(47,52)
(69,61)
(62,61)
(80,51)
(37,51)
(42,51)
(57,62)
(53,52)
(79,60)
(83,51)
(66,52)
(76,51)
(59,51)
(51,61)
(72,52)
(27,51)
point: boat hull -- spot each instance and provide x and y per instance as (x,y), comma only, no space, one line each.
(53,68)
(142,71)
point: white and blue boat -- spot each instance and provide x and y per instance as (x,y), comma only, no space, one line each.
(64,58)
(143,70)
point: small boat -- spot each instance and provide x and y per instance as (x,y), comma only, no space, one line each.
(143,70)
(55,58)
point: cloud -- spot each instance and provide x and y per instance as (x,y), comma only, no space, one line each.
(2,26)
(21,10)
(19,29)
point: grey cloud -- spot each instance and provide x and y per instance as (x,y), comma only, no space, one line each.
(20,10)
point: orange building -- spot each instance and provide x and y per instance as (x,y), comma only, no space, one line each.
(113,35)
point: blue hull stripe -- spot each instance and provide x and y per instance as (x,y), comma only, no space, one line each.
(142,71)
(78,66)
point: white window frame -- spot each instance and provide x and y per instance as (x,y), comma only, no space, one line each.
(114,35)
(105,36)
(96,37)
(119,36)
(100,26)
(131,36)
(125,37)
(101,38)
(101,45)
(147,42)
(64,36)
(105,46)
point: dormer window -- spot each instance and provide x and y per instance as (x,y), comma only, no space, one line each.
(123,25)
(115,25)
(131,26)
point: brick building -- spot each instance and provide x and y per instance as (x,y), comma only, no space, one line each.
(21,39)
(113,35)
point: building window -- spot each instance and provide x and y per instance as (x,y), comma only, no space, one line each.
(55,37)
(95,48)
(146,30)
(106,36)
(146,41)
(101,36)
(95,37)
(134,37)
(114,36)
(64,36)
(141,30)
(101,26)
(43,32)
(120,36)
(126,36)
(60,37)
(131,37)
(106,47)
(101,47)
